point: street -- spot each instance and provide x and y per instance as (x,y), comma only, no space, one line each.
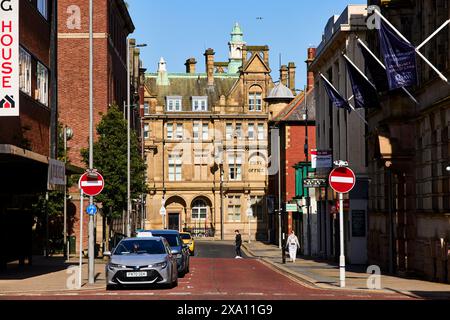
(215,275)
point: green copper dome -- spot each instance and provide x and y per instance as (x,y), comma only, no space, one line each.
(237,35)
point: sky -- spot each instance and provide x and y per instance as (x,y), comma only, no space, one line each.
(181,29)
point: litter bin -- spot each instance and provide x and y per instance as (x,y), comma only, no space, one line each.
(72,244)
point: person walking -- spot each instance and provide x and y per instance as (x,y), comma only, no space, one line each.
(238,243)
(293,245)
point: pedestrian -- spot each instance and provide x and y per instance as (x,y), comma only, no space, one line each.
(238,242)
(293,245)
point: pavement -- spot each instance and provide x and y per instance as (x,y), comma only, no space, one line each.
(325,275)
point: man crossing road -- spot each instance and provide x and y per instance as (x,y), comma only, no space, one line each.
(238,243)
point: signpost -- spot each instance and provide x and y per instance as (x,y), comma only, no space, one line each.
(163,213)
(91,183)
(342,180)
(249,217)
(291,207)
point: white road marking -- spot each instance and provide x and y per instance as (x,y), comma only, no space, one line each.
(179,294)
(251,294)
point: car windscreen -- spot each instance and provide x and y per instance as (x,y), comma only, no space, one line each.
(133,247)
(172,239)
(185,236)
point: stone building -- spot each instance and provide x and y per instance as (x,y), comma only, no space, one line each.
(409,219)
(343,134)
(206,144)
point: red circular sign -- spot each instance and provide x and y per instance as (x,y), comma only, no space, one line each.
(342,180)
(91,184)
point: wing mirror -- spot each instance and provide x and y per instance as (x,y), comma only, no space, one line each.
(107,254)
(174,252)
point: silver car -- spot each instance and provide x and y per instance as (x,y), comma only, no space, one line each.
(141,261)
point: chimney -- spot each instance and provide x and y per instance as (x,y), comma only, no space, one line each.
(190,65)
(284,75)
(266,55)
(291,71)
(209,56)
(311,57)
(244,55)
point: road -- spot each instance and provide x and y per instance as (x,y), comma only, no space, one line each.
(217,275)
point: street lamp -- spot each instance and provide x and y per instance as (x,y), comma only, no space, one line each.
(307,197)
(129,46)
(68,134)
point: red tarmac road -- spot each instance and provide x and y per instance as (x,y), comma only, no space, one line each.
(218,278)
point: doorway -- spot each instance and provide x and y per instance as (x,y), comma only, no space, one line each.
(174,221)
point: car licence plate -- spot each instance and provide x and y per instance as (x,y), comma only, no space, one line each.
(136,274)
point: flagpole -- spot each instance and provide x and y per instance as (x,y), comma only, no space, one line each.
(433,34)
(417,51)
(384,67)
(365,77)
(353,108)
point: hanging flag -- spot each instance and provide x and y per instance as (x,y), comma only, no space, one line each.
(377,72)
(364,92)
(334,96)
(399,57)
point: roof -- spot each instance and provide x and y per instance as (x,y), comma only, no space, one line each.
(280,91)
(191,85)
(296,110)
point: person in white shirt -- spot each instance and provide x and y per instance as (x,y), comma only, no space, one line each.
(293,245)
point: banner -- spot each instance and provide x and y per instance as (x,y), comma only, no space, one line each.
(399,57)
(321,159)
(364,92)
(377,72)
(335,97)
(9,51)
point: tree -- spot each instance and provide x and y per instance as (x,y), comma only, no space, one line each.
(110,159)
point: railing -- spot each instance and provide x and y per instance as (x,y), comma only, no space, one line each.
(200,232)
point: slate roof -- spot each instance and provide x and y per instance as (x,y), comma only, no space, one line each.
(296,109)
(189,85)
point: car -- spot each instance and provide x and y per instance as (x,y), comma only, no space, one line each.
(178,248)
(141,261)
(189,241)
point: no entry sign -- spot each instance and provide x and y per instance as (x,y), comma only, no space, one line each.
(342,180)
(91,184)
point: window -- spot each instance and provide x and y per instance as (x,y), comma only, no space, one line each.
(25,72)
(261,133)
(234,208)
(251,131)
(196,130)
(199,210)
(179,131)
(200,104)
(235,167)
(42,8)
(238,131)
(201,165)
(257,206)
(255,101)
(229,131)
(146,109)
(42,84)
(174,167)
(205,131)
(174,104)
(170,131)
(146,131)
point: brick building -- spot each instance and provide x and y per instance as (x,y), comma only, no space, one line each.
(112,24)
(26,140)
(409,207)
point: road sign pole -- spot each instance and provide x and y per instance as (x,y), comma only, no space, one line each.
(341,235)
(81,239)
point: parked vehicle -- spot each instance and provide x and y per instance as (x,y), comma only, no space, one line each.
(179,249)
(141,261)
(189,241)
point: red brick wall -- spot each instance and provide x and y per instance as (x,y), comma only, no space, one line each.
(294,153)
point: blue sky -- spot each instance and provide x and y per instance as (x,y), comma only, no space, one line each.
(180,29)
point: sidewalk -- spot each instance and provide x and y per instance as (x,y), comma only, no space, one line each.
(48,275)
(325,275)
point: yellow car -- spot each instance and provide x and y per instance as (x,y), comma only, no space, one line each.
(189,241)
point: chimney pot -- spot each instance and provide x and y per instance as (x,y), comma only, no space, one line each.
(190,65)
(209,56)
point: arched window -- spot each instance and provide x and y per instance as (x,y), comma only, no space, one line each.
(255,99)
(199,210)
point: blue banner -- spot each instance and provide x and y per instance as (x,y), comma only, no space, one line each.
(399,57)
(364,92)
(377,72)
(335,97)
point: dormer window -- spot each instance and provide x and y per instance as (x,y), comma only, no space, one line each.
(173,104)
(200,104)
(255,99)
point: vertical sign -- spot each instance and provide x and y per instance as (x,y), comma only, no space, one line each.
(9,51)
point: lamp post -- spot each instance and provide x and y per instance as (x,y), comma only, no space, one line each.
(307,197)
(68,134)
(129,46)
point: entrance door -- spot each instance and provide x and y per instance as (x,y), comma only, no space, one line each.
(174,221)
